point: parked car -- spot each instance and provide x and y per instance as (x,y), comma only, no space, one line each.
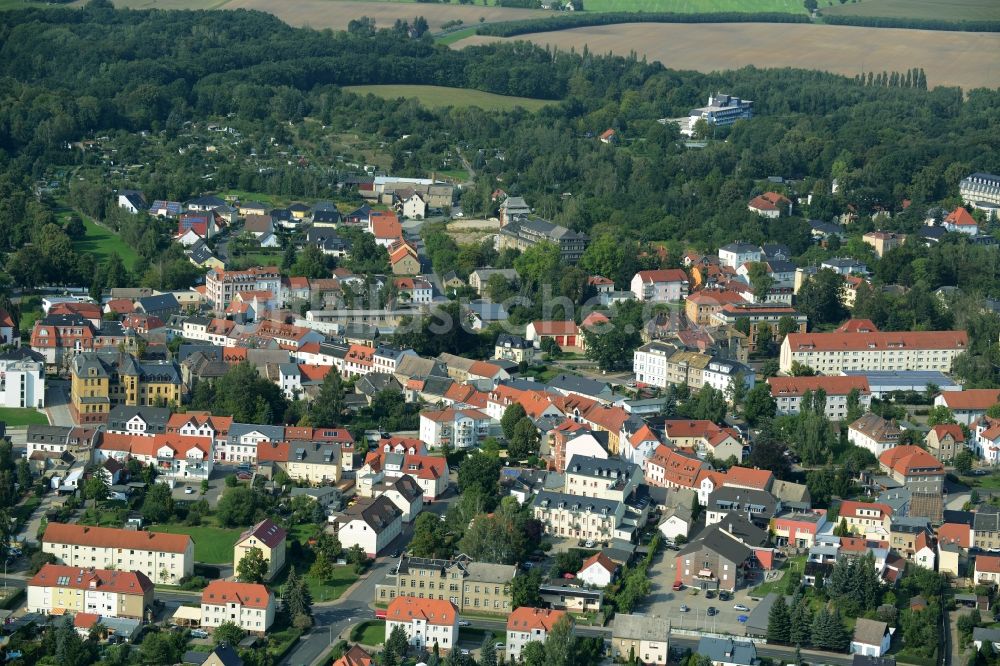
(464,623)
(465,652)
(499,646)
(742,618)
(678,586)
(199,633)
(189,491)
(740,607)
(712,610)
(709,594)
(684,608)
(589,544)
(725,596)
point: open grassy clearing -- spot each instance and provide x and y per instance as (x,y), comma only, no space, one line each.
(101,242)
(438,96)
(212,545)
(955,60)
(944,10)
(694,6)
(16,416)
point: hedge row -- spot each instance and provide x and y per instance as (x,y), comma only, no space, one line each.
(913,24)
(581,20)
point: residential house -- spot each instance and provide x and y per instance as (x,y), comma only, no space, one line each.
(869,519)
(100,380)
(920,473)
(371,524)
(525,232)
(58,588)
(221,286)
(479,587)
(839,391)
(597,570)
(314,462)
(944,441)
(677,522)
(798,529)
(527,624)
(404,259)
(833,353)
(986,570)
(757,506)
(427,622)
(138,420)
(405,493)
(986,439)
(871,638)
(479,279)
(845,266)
(269,539)
(9,333)
(986,529)
(250,606)
(579,517)
(874,433)
(59,337)
(755,317)
(961,221)
(513,348)
(736,254)
(355,656)
(132,200)
(727,652)
(456,428)
(643,636)
(969,405)
(661,286)
(883,241)
(385,226)
(161,557)
(22,378)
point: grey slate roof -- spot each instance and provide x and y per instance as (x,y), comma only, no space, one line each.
(237,430)
(155,417)
(869,632)
(577,384)
(640,627)
(574,503)
(160,303)
(714,539)
(728,651)
(599,468)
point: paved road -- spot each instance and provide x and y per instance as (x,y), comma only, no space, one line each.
(57,402)
(332,620)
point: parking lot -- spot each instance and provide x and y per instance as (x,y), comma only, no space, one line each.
(216,485)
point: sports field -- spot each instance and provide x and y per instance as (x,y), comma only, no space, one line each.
(945,10)
(437,96)
(955,60)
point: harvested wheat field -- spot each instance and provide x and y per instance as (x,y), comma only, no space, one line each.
(963,59)
(337,14)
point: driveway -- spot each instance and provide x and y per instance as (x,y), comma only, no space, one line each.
(57,402)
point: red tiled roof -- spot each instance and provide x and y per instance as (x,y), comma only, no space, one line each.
(857,326)
(433,611)
(959,534)
(744,476)
(769,201)
(988,564)
(543,327)
(850,508)
(105,580)
(526,619)
(689,428)
(902,459)
(85,620)
(600,559)
(961,218)
(978,399)
(385,225)
(942,430)
(797,386)
(356,656)
(222,592)
(715,297)
(663,275)
(877,341)
(104,537)
(314,373)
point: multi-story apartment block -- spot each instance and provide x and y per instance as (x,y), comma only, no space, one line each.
(986,529)
(161,557)
(59,337)
(314,462)
(789,391)
(527,624)
(175,457)
(22,379)
(757,316)
(968,405)
(138,420)
(221,286)
(101,380)
(577,517)
(250,606)
(523,232)
(921,474)
(866,519)
(735,255)
(427,622)
(612,479)
(661,286)
(457,428)
(513,348)
(982,191)
(944,441)
(472,586)
(722,110)
(833,353)
(58,588)
(243,440)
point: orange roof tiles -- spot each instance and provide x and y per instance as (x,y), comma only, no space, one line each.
(959,534)
(663,275)
(877,341)
(857,326)
(385,225)
(797,386)
(104,580)
(314,373)
(543,327)
(222,592)
(759,479)
(527,619)
(109,537)
(961,218)
(972,399)
(942,430)
(433,611)
(850,508)
(988,563)
(903,459)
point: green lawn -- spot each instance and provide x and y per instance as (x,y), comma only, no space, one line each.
(101,242)
(455,36)
(330,590)
(989,482)
(16,416)
(212,545)
(438,96)
(371,632)
(948,10)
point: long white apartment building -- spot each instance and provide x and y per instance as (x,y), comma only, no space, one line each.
(833,353)
(221,286)
(163,558)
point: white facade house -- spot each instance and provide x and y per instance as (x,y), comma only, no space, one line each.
(371,524)
(22,383)
(788,392)
(525,625)
(660,286)
(458,428)
(426,621)
(585,445)
(597,571)
(735,255)
(414,290)
(871,638)
(250,606)
(649,363)
(414,208)
(723,375)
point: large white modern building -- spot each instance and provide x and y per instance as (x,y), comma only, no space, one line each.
(981,191)
(22,382)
